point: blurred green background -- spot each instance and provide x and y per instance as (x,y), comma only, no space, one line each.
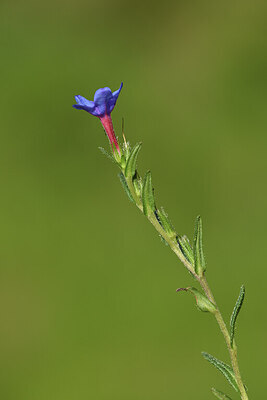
(87,290)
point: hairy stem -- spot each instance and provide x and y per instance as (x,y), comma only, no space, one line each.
(232,350)
(172,242)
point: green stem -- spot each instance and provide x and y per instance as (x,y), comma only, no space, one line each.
(231,349)
(172,242)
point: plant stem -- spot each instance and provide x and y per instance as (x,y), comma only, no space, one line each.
(172,242)
(231,349)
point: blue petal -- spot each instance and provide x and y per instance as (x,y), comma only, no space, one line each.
(117,92)
(101,110)
(84,104)
(78,107)
(104,102)
(82,101)
(88,109)
(114,99)
(102,96)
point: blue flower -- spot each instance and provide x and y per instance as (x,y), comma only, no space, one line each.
(101,107)
(103,104)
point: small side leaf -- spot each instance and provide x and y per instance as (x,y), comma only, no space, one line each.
(186,249)
(125,186)
(104,151)
(164,221)
(148,195)
(220,395)
(235,313)
(156,213)
(163,240)
(200,265)
(203,303)
(225,369)
(137,183)
(131,162)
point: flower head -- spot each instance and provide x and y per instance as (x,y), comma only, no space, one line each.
(103,104)
(101,107)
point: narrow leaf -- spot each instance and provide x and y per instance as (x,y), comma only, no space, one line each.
(131,162)
(225,369)
(137,183)
(199,260)
(163,240)
(164,221)
(125,186)
(104,151)
(220,395)
(156,213)
(235,313)
(186,249)
(148,195)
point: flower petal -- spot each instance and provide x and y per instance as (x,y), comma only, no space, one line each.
(114,99)
(82,101)
(84,104)
(102,96)
(117,92)
(103,104)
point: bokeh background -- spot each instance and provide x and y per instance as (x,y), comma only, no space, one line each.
(87,290)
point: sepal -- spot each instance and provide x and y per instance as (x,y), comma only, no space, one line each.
(116,154)
(122,161)
(126,145)
(130,168)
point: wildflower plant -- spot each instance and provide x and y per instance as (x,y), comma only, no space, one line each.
(140,192)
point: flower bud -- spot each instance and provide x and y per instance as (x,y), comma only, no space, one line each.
(203,303)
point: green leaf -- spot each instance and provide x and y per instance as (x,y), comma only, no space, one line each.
(156,213)
(186,249)
(199,260)
(220,395)
(163,240)
(235,313)
(137,183)
(131,162)
(225,369)
(164,221)
(203,303)
(148,195)
(125,186)
(104,151)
